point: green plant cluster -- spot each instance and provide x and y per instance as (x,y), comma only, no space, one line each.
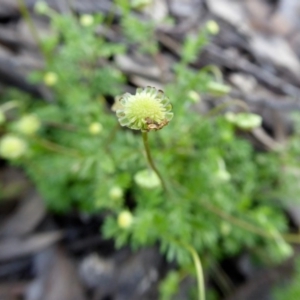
(220,191)
(138,33)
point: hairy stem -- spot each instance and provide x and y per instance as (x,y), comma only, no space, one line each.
(150,160)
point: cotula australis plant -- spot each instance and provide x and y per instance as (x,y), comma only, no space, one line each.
(205,191)
(150,110)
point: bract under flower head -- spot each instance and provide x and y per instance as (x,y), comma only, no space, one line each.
(149,109)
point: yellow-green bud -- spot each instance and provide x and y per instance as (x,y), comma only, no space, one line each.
(41,7)
(86,20)
(95,128)
(12,147)
(147,179)
(28,125)
(149,109)
(212,27)
(194,96)
(50,78)
(115,193)
(125,219)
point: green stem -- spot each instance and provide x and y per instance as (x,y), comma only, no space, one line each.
(199,271)
(26,15)
(150,160)
(222,106)
(57,148)
(215,71)
(288,237)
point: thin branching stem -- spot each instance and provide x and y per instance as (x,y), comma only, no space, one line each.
(28,19)
(222,106)
(288,237)
(150,160)
(57,148)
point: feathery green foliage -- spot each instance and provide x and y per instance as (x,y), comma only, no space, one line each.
(221,192)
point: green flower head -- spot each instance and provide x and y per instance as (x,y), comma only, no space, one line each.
(149,109)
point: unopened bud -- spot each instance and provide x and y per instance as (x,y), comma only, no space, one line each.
(125,219)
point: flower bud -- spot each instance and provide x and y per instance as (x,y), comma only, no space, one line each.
(86,20)
(41,7)
(12,147)
(147,179)
(194,96)
(50,78)
(95,128)
(28,125)
(125,219)
(115,193)
(212,27)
